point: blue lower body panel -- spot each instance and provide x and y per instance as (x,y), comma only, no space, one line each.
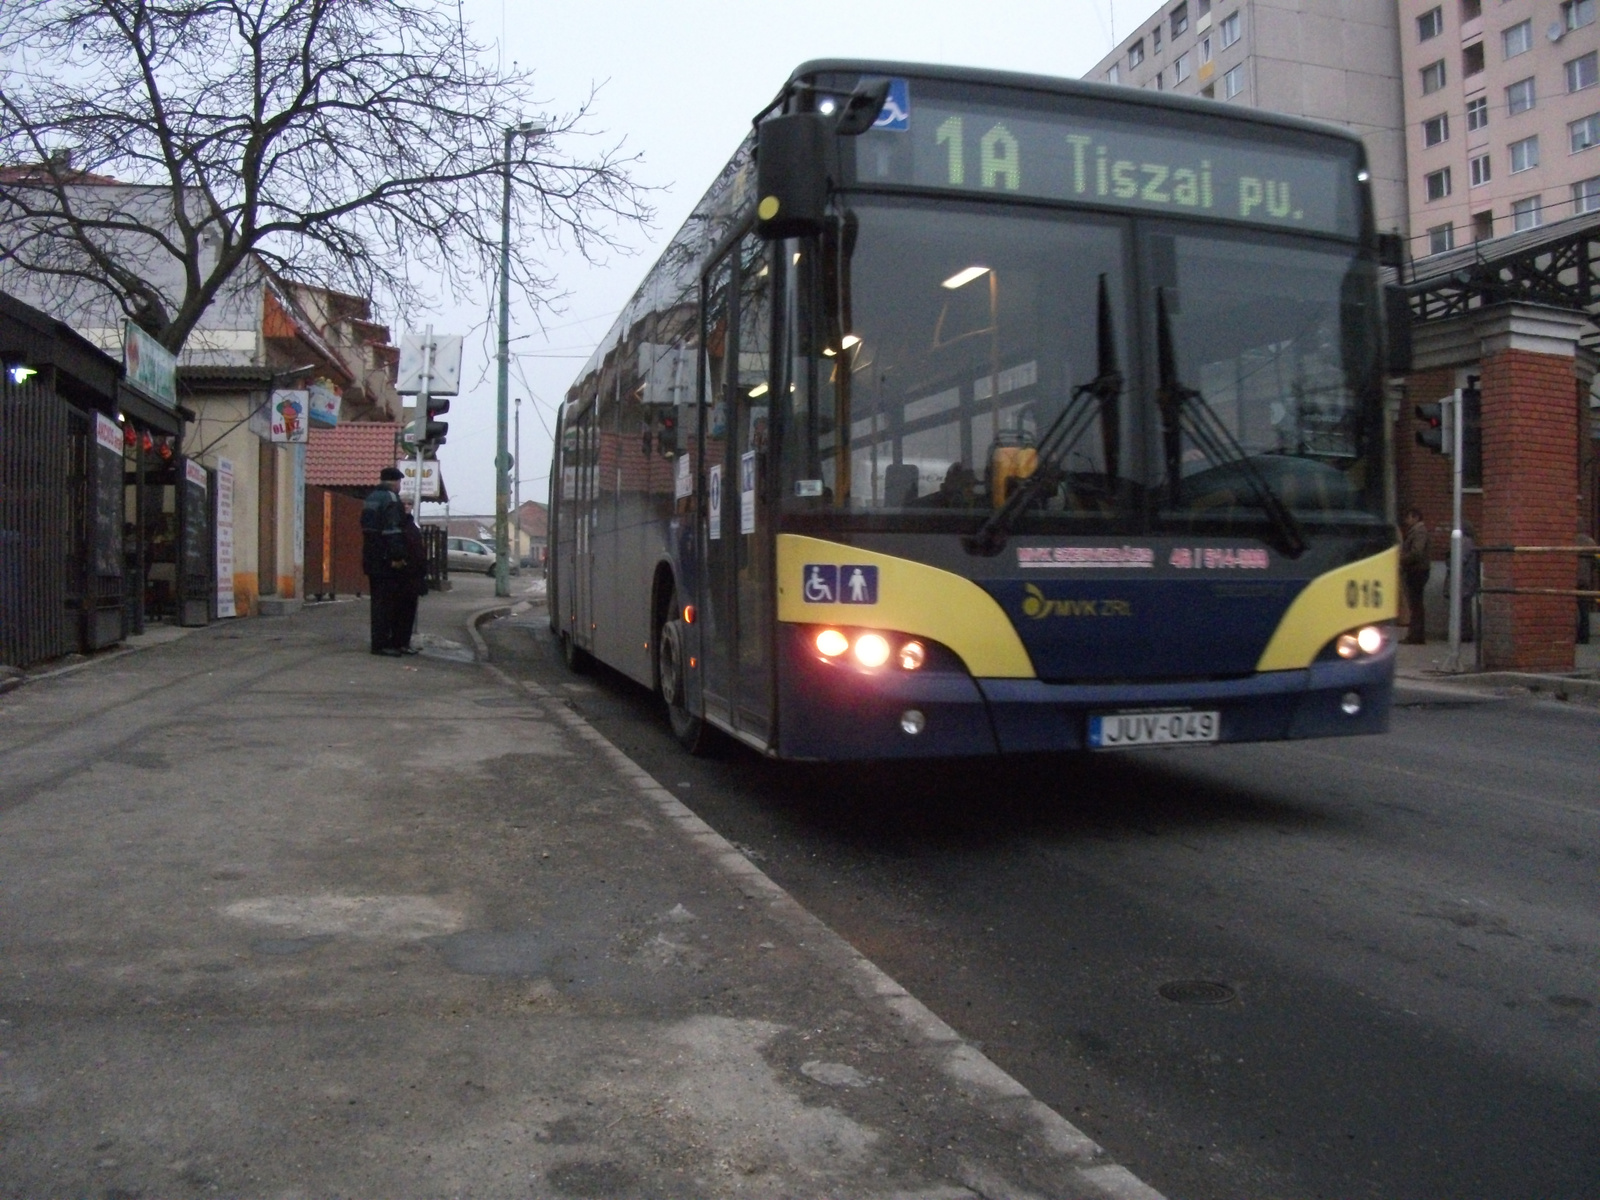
(832,711)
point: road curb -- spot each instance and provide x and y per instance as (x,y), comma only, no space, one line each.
(966,1066)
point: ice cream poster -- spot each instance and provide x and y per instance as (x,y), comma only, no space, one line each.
(287,415)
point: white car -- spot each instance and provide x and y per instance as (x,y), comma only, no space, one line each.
(468,554)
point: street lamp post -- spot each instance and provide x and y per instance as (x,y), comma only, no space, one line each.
(502,489)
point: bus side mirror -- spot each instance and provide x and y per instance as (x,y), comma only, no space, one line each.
(792,175)
(1397,325)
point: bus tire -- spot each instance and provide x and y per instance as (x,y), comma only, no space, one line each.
(689,729)
(573,655)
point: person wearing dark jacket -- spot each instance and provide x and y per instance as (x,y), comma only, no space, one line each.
(383,558)
(415,585)
(1415,563)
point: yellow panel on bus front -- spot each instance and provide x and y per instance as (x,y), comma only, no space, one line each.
(827,583)
(1359,593)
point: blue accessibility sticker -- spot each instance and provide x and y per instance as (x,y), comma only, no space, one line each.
(828,583)
(896,111)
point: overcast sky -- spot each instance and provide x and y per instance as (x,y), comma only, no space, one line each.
(680,81)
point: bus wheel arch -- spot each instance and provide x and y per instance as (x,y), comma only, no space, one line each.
(671,666)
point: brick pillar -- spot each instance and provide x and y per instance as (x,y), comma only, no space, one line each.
(1531,389)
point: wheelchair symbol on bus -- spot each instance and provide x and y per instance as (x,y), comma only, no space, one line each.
(825,583)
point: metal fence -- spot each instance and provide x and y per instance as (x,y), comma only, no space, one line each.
(36,522)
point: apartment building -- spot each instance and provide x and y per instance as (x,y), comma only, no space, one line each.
(1328,60)
(1502,116)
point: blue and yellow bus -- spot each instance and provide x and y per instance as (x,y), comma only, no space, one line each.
(974,413)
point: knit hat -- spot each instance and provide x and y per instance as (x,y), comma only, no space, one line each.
(389,474)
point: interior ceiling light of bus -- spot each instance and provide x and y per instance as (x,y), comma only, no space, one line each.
(965,276)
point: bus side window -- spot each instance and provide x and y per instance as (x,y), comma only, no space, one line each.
(755,340)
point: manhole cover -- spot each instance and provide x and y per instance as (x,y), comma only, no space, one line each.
(1196,991)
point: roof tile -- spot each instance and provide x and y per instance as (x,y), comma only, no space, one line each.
(350,455)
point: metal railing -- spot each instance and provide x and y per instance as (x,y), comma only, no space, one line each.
(35,524)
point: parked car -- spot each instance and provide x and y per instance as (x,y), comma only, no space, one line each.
(469,554)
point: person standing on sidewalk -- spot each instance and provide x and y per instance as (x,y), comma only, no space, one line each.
(383,558)
(416,581)
(1414,567)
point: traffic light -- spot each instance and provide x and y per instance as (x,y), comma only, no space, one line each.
(1472,433)
(427,431)
(1431,435)
(667,439)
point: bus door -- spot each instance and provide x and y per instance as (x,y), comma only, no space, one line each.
(719,521)
(583,520)
(749,460)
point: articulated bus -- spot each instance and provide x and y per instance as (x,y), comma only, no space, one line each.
(975,413)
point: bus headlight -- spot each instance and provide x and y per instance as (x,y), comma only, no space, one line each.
(872,649)
(831,643)
(912,656)
(1367,640)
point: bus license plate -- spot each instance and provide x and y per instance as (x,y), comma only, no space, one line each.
(1118,731)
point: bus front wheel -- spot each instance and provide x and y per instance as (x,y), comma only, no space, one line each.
(671,663)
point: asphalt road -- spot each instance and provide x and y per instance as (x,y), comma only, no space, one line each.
(1364,968)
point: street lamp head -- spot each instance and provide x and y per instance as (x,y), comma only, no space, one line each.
(526,129)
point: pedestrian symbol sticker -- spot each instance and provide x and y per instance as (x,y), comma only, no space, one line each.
(826,583)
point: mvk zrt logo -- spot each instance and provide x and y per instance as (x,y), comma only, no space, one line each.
(1037,605)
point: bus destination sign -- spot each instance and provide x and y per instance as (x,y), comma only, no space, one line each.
(1069,156)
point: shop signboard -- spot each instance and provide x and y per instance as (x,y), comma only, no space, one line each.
(150,366)
(323,403)
(430,478)
(224,511)
(286,415)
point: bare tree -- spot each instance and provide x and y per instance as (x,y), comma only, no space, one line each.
(357,144)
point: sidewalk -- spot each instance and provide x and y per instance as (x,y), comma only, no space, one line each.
(285,919)
(1427,664)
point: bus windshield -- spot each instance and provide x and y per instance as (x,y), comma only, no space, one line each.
(945,355)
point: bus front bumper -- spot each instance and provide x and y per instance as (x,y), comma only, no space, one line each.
(840,715)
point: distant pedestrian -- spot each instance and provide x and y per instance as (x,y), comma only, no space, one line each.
(1415,564)
(1469,579)
(383,558)
(415,584)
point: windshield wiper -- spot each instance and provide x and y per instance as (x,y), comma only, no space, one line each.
(1070,424)
(1184,410)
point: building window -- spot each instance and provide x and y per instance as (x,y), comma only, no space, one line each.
(1471,10)
(1472,59)
(1482,226)
(1205,50)
(1575,14)
(1520,97)
(1583,72)
(1229,28)
(1584,134)
(1586,195)
(1437,185)
(1436,130)
(1432,77)
(1525,214)
(1209,91)
(1478,170)
(1477,113)
(1155,40)
(1202,8)
(1136,54)
(1441,238)
(1233,82)
(1430,24)
(1180,68)
(1518,39)
(1114,75)
(1180,20)
(1159,85)
(1524,154)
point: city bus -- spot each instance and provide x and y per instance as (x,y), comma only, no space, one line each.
(976,413)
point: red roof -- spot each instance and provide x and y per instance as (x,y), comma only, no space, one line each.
(350,455)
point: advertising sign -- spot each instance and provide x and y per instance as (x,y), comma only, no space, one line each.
(151,367)
(225,600)
(747,492)
(430,478)
(323,403)
(286,415)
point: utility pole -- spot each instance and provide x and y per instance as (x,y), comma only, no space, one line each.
(516,473)
(502,467)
